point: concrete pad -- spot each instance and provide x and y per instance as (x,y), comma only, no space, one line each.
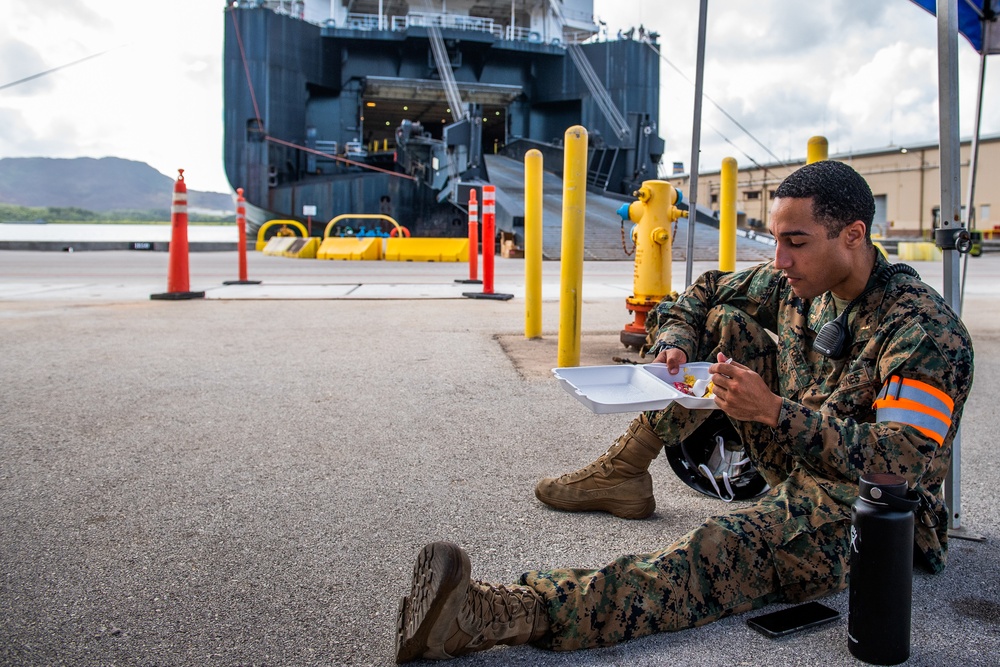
(400,291)
(247,482)
(58,291)
(281,291)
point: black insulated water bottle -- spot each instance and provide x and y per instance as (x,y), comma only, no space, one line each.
(878,628)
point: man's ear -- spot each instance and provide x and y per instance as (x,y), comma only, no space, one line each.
(854,234)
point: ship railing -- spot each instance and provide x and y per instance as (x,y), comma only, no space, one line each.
(428,19)
(577,36)
(518,33)
(356,21)
(326,146)
(294,8)
(364,21)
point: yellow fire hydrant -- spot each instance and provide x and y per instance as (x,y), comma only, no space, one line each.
(654,213)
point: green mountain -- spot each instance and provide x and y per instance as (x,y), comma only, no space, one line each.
(96,184)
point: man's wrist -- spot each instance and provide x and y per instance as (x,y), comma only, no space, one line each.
(774,413)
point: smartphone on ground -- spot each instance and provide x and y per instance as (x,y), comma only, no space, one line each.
(786,621)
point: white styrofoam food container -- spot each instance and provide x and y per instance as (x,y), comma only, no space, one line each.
(628,388)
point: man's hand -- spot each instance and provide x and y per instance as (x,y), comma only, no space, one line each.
(742,394)
(672,357)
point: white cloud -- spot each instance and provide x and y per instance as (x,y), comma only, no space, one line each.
(862,73)
(155,96)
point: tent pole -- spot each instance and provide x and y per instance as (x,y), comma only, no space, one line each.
(948,233)
(699,84)
(970,211)
(970,201)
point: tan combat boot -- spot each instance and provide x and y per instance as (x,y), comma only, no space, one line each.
(617,482)
(447,614)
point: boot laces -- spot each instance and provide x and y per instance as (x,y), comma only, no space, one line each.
(490,611)
(601,465)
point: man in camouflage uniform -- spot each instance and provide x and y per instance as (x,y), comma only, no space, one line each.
(811,423)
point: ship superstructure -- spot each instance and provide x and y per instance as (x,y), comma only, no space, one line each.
(384,106)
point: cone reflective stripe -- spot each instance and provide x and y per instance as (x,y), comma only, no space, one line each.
(178,278)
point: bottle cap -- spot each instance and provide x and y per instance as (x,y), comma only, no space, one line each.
(886,489)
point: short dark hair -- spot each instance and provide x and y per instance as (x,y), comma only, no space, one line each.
(840,195)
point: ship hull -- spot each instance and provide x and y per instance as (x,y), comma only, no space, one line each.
(297,94)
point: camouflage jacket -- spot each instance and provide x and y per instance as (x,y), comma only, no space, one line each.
(827,422)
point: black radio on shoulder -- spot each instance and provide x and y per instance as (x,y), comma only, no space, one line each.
(834,339)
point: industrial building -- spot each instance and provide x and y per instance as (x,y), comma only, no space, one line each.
(906,182)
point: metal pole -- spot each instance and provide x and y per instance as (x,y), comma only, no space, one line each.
(970,210)
(951,207)
(699,84)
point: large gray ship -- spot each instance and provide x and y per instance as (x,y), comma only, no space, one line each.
(383,106)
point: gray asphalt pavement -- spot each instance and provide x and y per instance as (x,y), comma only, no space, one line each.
(245,479)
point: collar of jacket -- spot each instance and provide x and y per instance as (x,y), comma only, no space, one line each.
(823,310)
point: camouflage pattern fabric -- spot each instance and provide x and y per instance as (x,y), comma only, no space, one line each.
(792,544)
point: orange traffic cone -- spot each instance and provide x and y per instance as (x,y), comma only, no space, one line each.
(241,230)
(489,247)
(178,277)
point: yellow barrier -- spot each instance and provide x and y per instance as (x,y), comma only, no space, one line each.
(921,251)
(363,216)
(427,250)
(261,243)
(303,248)
(350,247)
(277,246)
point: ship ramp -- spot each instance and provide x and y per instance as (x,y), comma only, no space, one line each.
(603,226)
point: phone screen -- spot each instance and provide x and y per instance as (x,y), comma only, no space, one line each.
(787,621)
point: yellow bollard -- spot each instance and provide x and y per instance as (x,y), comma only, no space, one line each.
(533,244)
(571,275)
(727,216)
(817,149)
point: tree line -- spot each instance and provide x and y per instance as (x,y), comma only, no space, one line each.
(57,214)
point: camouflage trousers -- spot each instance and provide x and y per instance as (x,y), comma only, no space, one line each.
(790,545)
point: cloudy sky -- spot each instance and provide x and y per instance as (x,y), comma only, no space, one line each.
(861,73)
